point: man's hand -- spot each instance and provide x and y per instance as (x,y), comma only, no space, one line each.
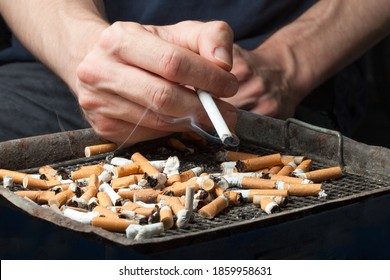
(143,75)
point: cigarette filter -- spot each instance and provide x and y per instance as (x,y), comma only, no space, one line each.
(125,182)
(87,171)
(304,166)
(280,200)
(210,210)
(321,175)
(150,230)
(61,198)
(189,197)
(166,217)
(147,212)
(168,200)
(289,179)
(82,217)
(146,195)
(17,176)
(103,211)
(126,170)
(48,171)
(233,156)
(145,165)
(99,149)
(34,183)
(301,189)
(112,224)
(257,183)
(287,169)
(114,196)
(235,198)
(179,188)
(93,181)
(104,199)
(179,146)
(275,169)
(40,197)
(248,195)
(269,206)
(258,163)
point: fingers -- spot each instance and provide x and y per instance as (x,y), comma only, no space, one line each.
(135,45)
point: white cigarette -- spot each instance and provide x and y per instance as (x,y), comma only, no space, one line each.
(216,118)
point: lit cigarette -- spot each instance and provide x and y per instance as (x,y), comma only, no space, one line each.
(300,189)
(210,210)
(216,118)
(180,146)
(99,149)
(269,206)
(40,197)
(112,224)
(321,175)
(87,171)
(254,164)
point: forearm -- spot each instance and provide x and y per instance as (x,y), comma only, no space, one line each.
(329,36)
(59,33)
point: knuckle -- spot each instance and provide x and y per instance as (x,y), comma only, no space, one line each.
(161,96)
(170,64)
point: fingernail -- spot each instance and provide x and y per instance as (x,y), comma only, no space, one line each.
(223,55)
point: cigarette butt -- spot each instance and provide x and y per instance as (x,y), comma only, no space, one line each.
(146,195)
(144,211)
(257,183)
(258,163)
(289,179)
(99,149)
(179,188)
(189,197)
(321,175)
(186,175)
(145,165)
(40,197)
(287,159)
(179,146)
(235,198)
(166,217)
(287,169)
(104,199)
(93,181)
(126,170)
(125,182)
(218,190)
(210,210)
(34,183)
(17,176)
(301,189)
(168,200)
(248,195)
(269,206)
(234,156)
(61,198)
(103,211)
(112,224)
(280,200)
(8,182)
(173,179)
(91,192)
(48,171)
(207,184)
(304,166)
(87,171)
(275,169)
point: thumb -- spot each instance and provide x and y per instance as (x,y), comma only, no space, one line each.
(212,40)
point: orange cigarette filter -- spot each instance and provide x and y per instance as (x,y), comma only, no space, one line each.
(235,198)
(104,199)
(178,145)
(179,188)
(127,194)
(145,165)
(148,195)
(112,224)
(40,197)
(147,212)
(212,209)
(87,171)
(166,217)
(34,183)
(169,200)
(93,181)
(321,175)
(303,189)
(258,163)
(305,165)
(124,182)
(105,212)
(286,170)
(280,200)
(288,179)
(257,183)
(275,169)
(265,192)
(61,198)
(17,176)
(99,149)
(269,205)
(126,170)
(91,192)
(48,171)
(235,156)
